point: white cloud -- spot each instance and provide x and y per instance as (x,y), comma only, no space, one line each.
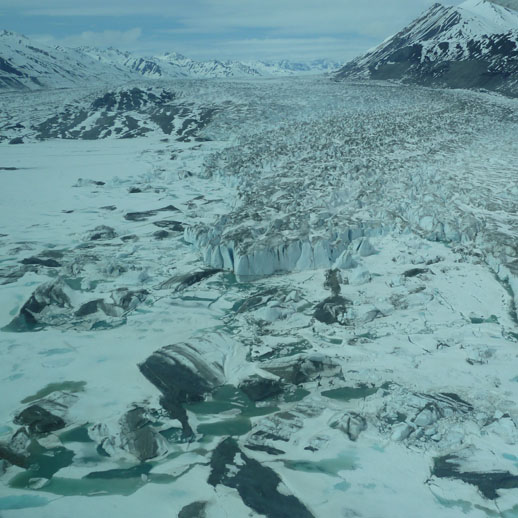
(119,39)
(373,18)
(278,48)
(340,29)
(290,17)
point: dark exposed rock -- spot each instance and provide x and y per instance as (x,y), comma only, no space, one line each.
(129,299)
(262,435)
(182,376)
(39,420)
(16,140)
(189,279)
(101,232)
(6,66)
(257,300)
(352,424)
(45,296)
(447,401)
(488,483)
(161,234)
(12,457)
(173,226)
(10,275)
(139,216)
(108,115)
(165,370)
(89,308)
(303,370)
(266,449)
(134,472)
(50,263)
(88,182)
(173,406)
(20,442)
(131,237)
(194,510)
(332,282)
(462,405)
(259,389)
(332,310)
(50,305)
(134,190)
(415,271)
(143,215)
(138,436)
(257,485)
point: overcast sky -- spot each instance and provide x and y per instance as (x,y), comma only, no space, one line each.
(226,29)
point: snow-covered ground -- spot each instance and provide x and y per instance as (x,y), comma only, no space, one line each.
(280,297)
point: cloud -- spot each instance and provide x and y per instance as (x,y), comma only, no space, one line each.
(108,38)
(219,28)
(73,8)
(279,48)
(290,17)
(85,11)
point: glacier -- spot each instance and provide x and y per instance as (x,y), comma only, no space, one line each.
(308,295)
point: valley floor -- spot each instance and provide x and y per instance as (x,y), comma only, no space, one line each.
(271,298)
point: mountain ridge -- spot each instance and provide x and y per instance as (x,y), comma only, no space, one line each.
(26,64)
(473,45)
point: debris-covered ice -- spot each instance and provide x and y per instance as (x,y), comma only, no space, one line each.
(270,298)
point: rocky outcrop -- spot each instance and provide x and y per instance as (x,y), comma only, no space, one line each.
(39,420)
(304,368)
(258,388)
(55,304)
(46,304)
(127,113)
(489,483)
(182,375)
(258,486)
(138,437)
(194,510)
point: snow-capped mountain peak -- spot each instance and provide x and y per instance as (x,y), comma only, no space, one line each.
(25,63)
(473,45)
(173,56)
(28,64)
(473,18)
(499,19)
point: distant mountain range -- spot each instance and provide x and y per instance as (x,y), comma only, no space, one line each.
(172,64)
(473,45)
(26,64)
